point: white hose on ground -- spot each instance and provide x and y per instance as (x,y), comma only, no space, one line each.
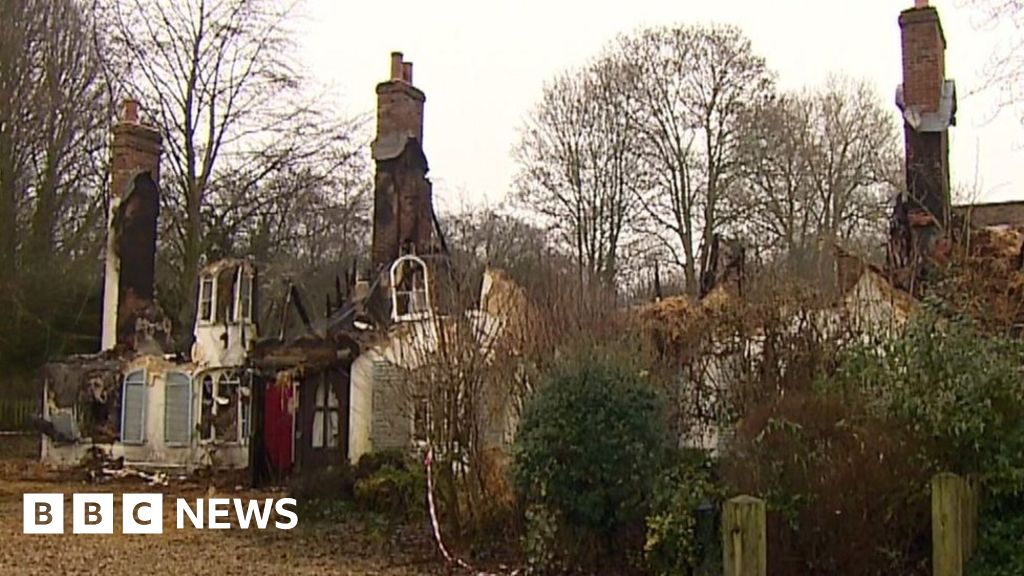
(428,462)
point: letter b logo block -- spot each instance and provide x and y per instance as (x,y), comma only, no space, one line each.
(43,513)
(93,513)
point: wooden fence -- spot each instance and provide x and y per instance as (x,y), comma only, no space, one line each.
(16,414)
(954,529)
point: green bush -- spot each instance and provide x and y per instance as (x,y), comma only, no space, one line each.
(589,448)
(673,545)
(398,492)
(371,462)
(960,392)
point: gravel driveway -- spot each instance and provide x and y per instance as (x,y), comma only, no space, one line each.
(343,546)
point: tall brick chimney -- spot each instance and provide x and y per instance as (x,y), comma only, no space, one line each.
(131,227)
(928,103)
(403,212)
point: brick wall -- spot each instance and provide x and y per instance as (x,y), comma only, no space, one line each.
(391,422)
(924,61)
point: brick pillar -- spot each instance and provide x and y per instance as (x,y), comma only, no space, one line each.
(130,261)
(924,74)
(403,207)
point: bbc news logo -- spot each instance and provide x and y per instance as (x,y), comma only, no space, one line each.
(144,513)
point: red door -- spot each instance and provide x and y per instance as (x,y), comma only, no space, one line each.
(279,426)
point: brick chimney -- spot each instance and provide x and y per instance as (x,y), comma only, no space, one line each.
(399,103)
(403,210)
(131,227)
(928,103)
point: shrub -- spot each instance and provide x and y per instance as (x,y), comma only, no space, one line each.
(393,487)
(371,462)
(673,545)
(845,493)
(960,392)
(589,447)
(332,483)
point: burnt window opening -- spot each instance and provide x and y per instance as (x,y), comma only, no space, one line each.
(65,424)
(244,411)
(226,409)
(325,415)
(206,415)
(133,408)
(98,410)
(410,289)
(226,417)
(243,309)
(206,303)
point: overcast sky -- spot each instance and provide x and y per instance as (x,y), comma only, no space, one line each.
(482,65)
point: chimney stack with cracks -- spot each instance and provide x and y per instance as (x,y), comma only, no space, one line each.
(927,101)
(403,205)
(130,259)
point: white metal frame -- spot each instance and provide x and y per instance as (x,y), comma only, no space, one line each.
(416,314)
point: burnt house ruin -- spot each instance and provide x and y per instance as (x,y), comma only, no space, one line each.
(136,401)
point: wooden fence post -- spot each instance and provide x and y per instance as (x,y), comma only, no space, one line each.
(954,521)
(744,537)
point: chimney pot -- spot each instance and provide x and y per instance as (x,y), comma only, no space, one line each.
(396,66)
(130,110)
(407,72)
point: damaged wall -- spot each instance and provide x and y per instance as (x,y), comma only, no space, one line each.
(225,329)
(84,410)
(130,259)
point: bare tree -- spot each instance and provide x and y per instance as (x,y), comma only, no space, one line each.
(691,85)
(217,77)
(820,168)
(52,161)
(579,166)
(1005,68)
(51,127)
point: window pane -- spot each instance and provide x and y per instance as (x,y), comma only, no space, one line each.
(206,299)
(177,408)
(332,428)
(244,295)
(318,429)
(133,408)
(320,391)
(332,396)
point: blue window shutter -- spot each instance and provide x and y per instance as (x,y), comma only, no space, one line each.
(177,409)
(133,408)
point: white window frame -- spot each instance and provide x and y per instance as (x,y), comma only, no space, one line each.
(189,403)
(203,280)
(325,409)
(128,380)
(245,277)
(413,262)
